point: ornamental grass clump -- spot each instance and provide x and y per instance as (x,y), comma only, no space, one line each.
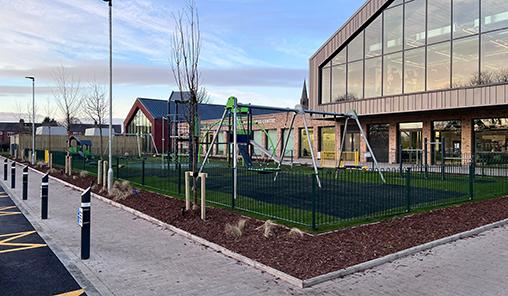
(267,228)
(235,231)
(295,233)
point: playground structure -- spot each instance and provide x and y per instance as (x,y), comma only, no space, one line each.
(240,136)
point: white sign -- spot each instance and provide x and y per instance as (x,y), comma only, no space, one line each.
(80,217)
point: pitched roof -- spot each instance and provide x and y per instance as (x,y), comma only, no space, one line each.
(159,108)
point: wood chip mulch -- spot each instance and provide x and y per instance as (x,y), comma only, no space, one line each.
(309,256)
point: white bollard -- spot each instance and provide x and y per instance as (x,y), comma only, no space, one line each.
(203,195)
(187,190)
(99,172)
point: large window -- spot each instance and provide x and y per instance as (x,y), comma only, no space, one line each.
(465,61)
(373,77)
(414,70)
(421,45)
(304,142)
(393,74)
(449,132)
(494,14)
(139,124)
(494,57)
(438,66)
(491,139)
(327,142)
(290,143)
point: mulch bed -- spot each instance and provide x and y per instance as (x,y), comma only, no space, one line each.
(309,256)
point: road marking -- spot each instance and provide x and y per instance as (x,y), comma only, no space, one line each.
(4,212)
(20,246)
(73,293)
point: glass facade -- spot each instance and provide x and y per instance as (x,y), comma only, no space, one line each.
(379,135)
(491,136)
(410,141)
(290,145)
(272,141)
(449,132)
(304,142)
(421,45)
(327,142)
(139,124)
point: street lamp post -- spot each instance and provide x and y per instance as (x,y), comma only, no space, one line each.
(33,117)
(110,169)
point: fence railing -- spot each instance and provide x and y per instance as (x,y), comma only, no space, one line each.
(346,195)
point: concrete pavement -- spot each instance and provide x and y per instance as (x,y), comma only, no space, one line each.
(131,256)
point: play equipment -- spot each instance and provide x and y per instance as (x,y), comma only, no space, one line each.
(82,148)
(240,135)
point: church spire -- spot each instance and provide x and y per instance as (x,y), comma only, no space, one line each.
(304,100)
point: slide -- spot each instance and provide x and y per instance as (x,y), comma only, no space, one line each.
(244,151)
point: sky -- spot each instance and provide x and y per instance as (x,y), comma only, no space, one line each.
(256,50)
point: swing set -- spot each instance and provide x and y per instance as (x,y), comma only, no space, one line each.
(240,135)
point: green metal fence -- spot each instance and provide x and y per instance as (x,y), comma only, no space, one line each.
(346,196)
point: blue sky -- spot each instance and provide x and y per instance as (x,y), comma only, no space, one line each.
(257,50)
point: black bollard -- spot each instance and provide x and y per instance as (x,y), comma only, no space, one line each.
(5,169)
(13,175)
(44,197)
(84,220)
(25,183)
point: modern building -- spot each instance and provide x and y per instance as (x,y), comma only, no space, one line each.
(419,73)
(149,118)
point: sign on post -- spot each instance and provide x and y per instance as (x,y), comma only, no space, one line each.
(84,219)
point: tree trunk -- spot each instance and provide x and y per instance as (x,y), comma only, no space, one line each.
(101,152)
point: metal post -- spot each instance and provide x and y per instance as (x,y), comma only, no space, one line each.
(25,183)
(400,160)
(6,165)
(110,170)
(118,167)
(311,147)
(313,197)
(179,167)
(187,190)
(471,180)
(443,155)
(425,156)
(13,175)
(44,196)
(84,220)
(408,189)
(143,172)
(235,149)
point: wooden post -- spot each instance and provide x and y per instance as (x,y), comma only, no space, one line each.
(187,190)
(51,161)
(99,172)
(203,195)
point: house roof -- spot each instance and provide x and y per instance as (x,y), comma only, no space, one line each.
(14,127)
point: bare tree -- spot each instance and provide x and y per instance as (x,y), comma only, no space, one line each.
(185,56)
(96,108)
(68,97)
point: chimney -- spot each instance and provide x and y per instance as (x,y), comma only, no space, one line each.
(304,100)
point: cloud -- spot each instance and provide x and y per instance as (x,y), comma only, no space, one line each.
(143,75)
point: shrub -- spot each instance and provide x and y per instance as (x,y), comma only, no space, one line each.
(295,233)
(267,228)
(236,231)
(83,174)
